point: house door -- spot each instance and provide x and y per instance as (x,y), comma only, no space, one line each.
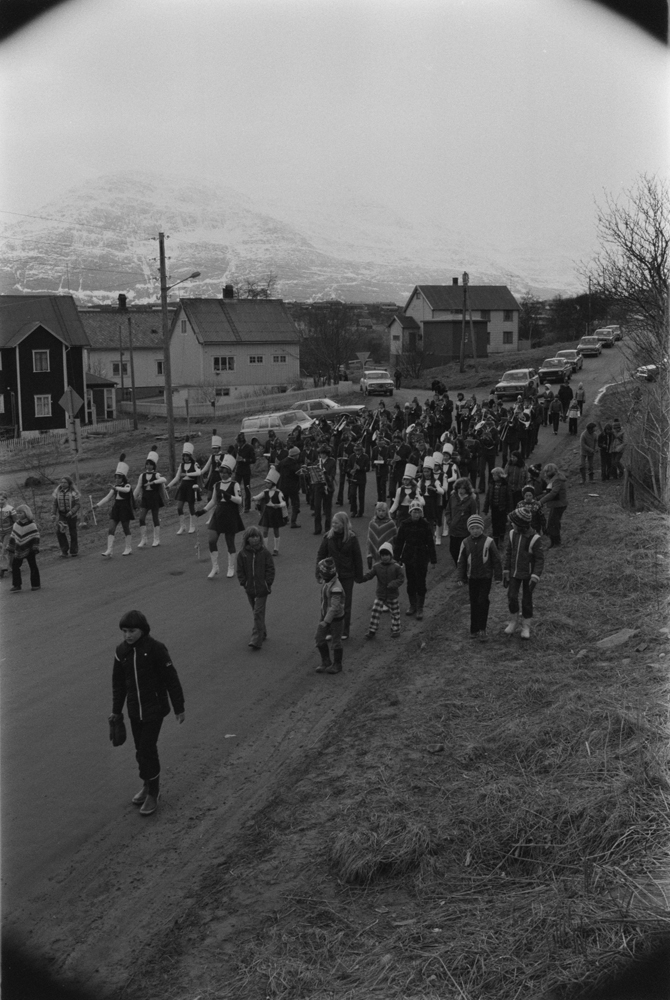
(109,404)
(91,416)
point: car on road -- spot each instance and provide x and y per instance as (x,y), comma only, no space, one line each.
(516,382)
(573,356)
(377,383)
(282,422)
(616,330)
(326,408)
(555,370)
(646,373)
(605,335)
(589,347)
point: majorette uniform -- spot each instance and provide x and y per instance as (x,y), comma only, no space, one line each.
(150,492)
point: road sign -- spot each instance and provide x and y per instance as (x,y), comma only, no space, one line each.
(362,356)
(71,401)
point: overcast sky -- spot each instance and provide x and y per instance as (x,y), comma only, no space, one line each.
(508,117)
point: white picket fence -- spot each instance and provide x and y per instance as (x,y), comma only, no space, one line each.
(13,445)
(263,403)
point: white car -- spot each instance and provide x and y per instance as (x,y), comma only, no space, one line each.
(283,422)
(574,357)
(325,407)
(377,383)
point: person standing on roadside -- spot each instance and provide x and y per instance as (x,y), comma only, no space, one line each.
(555,413)
(144,679)
(604,442)
(479,561)
(65,512)
(24,543)
(616,450)
(580,396)
(555,499)
(7,517)
(587,446)
(565,394)
(256,573)
(398,378)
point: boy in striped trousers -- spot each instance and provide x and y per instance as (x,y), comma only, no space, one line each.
(390,577)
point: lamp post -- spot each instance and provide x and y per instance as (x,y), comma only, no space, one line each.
(167,368)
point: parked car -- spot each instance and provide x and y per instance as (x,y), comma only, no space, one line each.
(616,330)
(377,383)
(515,383)
(646,373)
(326,408)
(573,356)
(589,347)
(283,422)
(605,335)
(555,370)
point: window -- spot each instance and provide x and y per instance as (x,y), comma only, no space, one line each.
(396,336)
(223,364)
(109,404)
(184,326)
(279,359)
(485,314)
(116,368)
(457,312)
(255,359)
(41,361)
(224,391)
(508,336)
(508,316)
(42,406)
(126,395)
(160,370)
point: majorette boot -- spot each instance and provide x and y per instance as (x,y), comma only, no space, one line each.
(143,537)
(214,556)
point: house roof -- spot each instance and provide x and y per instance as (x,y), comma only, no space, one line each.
(102,327)
(240,321)
(406,322)
(21,314)
(98,381)
(450,297)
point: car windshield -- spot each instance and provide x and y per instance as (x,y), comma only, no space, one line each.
(290,418)
(377,375)
(514,376)
(566,354)
(552,363)
(589,340)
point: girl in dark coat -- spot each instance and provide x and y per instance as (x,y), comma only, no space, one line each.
(461,505)
(122,508)
(256,573)
(499,503)
(341,545)
(227,502)
(145,680)
(414,547)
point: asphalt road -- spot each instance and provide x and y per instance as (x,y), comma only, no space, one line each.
(63,783)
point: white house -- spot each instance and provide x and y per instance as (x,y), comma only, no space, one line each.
(109,353)
(494,304)
(233,347)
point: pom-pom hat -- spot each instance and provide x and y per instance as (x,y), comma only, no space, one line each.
(521,517)
(327,568)
(475,521)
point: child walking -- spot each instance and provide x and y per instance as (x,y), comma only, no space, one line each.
(122,511)
(256,573)
(523,565)
(24,543)
(149,491)
(390,578)
(332,617)
(145,679)
(478,563)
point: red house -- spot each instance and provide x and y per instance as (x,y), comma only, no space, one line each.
(42,345)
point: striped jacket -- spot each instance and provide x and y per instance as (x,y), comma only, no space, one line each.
(524,556)
(478,559)
(24,539)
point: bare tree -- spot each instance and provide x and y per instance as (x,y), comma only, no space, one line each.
(530,315)
(257,288)
(330,339)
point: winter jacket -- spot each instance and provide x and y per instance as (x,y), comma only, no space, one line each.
(347,556)
(478,559)
(414,542)
(390,578)
(457,513)
(24,540)
(66,503)
(587,443)
(332,600)
(498,496)
(144,677)
(558,492)
(524,556)
(7,515)
(255,570)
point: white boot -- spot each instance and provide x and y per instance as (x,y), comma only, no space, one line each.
(143,537)
(128,551)
(438,536)
(231,564)
(191,524)
(214,556)
(511,628)
(110,547)
(157,536)
(182,524)
(275,551)
(525,628)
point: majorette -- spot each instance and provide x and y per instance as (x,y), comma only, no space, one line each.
(226,520)
(188,476)
(122,508)
(151,495)
(272,505)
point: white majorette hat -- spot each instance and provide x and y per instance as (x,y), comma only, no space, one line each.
(216,440)
(122,469)
(428,462)
(416,504)
(272,475)
(438,458)
(447,448)
(410,471)
(153,456)
(187,448)
(228,462)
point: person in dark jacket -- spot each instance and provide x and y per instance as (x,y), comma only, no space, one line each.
(341,545)
(555,499)
(145,680)
(65,512)
(289,482)
(414,548)
(256,573)
(461,505)
(523,563)
(478,562)
(246,456)
(498,502)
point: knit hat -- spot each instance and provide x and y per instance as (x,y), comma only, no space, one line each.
(135,619)
(410,471)
(272,476)
(228,462)
(415,505)
(475,521)
(294,452)
(122,469)
(386,547)
(527,489)
(327,568)
(521,517)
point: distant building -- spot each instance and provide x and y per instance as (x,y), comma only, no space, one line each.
(109,353)
(432,318)
(42,352)
(231,347)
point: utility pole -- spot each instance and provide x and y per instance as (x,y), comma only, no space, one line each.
(466,282)
(465,305)
(123,308)
(167,368)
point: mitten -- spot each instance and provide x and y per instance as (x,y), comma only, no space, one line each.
(117,730)
(505,578)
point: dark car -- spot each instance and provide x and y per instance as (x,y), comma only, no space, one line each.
(555,370)
(518,382)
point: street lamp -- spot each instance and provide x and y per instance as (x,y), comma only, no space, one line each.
(167,368)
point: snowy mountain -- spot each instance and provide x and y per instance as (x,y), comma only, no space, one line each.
(101,238)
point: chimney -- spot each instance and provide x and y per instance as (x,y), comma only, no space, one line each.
(454,281)
(228,292)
